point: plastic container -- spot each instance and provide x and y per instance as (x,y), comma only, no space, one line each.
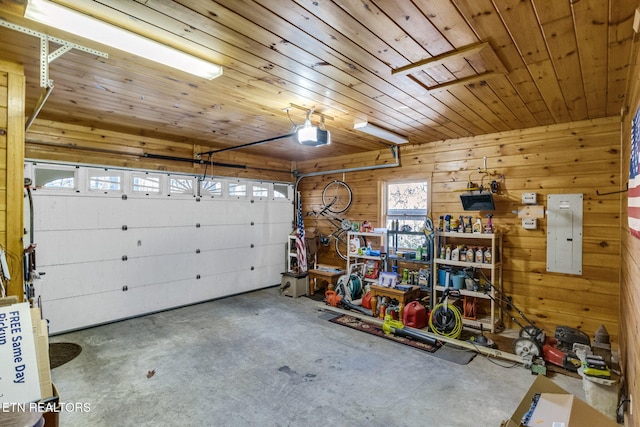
(442,277)
(487,256)
(366,300)
(457,280)
(469,283)
(414,315)
(354,245)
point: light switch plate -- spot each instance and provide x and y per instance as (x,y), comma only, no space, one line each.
(529,223)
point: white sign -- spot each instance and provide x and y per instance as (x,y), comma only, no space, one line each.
(19,381)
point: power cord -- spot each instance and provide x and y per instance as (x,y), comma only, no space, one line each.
(446,320)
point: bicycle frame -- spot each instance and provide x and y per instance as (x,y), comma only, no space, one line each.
(336,193)
(339,234)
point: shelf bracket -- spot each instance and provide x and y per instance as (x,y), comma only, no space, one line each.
(45,57)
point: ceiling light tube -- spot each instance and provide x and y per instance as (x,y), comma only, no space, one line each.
(371,129)
(91,28)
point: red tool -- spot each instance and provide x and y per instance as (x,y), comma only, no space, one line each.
(557,356)
(335,300)
(332,298)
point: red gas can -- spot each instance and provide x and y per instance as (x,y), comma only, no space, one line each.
(414,315)
(366,300)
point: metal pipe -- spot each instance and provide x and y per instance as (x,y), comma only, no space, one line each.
(394,150)
(39,104)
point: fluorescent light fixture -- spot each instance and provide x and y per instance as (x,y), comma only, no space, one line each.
(371,129)
(312,136)
(90,28)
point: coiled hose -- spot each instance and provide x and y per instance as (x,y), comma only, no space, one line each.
(446,320)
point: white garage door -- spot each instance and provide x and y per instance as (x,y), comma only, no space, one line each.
(116,244)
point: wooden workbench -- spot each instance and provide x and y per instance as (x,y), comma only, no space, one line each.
(403,297)
(323,274)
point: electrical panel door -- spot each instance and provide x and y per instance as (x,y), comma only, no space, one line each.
(564,233)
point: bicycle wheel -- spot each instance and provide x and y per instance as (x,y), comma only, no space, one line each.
(341,244)
(336,196)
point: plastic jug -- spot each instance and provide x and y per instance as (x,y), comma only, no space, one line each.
(414,315)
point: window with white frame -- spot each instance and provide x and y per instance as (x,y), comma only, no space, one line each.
(105,180)
(407,202)
(56,178)
(146,183)
(260,190)
(211,187)
(181,185)
(280,191)
(237,189)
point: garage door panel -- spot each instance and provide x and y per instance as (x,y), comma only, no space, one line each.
(159,211)
(108,258)
(160,269)
(150,241)
(71,246)
(70,280)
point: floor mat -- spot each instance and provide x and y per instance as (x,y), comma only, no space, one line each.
(62,352)
(442,351)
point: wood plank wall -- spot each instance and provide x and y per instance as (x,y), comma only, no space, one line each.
(12,94)
(630,271)
(47,140)
(580,157)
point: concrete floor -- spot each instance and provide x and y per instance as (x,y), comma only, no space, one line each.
(269,360)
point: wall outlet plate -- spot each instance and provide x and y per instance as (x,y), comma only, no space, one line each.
(529,223)
(529,198)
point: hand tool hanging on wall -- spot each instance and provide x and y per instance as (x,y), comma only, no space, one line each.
(29,259)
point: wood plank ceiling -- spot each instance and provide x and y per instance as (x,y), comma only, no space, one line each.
(428,70)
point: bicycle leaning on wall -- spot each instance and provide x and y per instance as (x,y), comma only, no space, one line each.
(336,199)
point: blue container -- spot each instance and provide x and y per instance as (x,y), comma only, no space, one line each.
(442,277)
(457,280)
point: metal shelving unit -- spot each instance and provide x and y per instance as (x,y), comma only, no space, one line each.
(426,261)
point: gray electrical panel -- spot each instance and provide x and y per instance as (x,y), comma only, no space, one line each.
(564,233)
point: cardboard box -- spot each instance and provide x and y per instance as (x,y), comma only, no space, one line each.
(4,301)
(41,340)
(51,418)
(19,371)
(557,408)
